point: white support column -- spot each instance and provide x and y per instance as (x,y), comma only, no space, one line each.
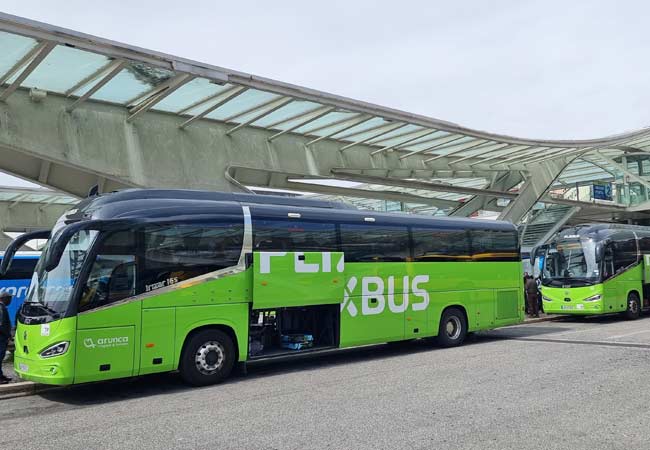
(542,177)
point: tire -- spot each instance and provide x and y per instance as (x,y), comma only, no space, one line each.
(633,310)
(207,358)
(453,328)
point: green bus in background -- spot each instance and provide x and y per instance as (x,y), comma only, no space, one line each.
(144,281)
(596,269)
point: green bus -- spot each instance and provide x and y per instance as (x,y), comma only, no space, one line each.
(144,281)
(595,269)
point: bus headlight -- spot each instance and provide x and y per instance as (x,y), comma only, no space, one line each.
(55,350)
(546,299)
(593,298)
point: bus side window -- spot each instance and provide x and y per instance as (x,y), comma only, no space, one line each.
(431,244)
(373,243)
(625,251)
(112,276)
(608,262)
(173,253)
(293,235)
(494,245)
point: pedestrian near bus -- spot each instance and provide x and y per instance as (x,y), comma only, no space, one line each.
(531,297)
(5,331)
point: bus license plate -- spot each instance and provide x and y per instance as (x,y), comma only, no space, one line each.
(567,306)
(23,367)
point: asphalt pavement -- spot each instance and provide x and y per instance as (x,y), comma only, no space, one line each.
(577,384)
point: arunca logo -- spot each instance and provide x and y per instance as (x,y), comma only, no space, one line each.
(106,342)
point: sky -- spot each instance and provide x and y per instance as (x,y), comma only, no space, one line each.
(535,69)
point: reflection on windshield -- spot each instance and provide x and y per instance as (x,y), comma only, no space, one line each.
(51,291)
(572,262)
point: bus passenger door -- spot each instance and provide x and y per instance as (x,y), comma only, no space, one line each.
(108,324)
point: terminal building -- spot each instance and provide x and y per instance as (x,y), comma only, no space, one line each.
(78,111)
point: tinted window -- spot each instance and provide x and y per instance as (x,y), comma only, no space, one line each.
(175,253)
(112,276)
(644,242)
(625,251)
(21,269)
(430,244)
(136,262)
(368,243)
(494,245)
(293,235)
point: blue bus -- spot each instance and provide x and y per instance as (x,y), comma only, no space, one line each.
(17,280)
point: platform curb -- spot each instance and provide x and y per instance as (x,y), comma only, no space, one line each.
(21,389)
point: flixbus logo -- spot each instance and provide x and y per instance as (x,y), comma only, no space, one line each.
(299,264)
(376,294)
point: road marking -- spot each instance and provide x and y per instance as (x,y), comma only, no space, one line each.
(629,334)
(570,341)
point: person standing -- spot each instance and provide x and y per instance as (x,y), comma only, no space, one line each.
(5,331)
(531,297)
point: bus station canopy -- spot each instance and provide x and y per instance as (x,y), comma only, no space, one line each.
(90,69)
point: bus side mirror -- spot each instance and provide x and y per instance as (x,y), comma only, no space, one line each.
(533,256)
(16,244)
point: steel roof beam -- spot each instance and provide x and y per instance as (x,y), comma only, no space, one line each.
(149,102)
(315,115)
(438,142)
(92,77)
(36,58)
(459,148)
(483,149)
(386,129)
(301,115)
(22,62)
(116,68)
(423,133)
(279,103)
(381,126)
(224,97)
(398,135)
(351,123)
(625,170)
(252,109)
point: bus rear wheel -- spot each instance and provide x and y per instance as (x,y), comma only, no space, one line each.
(633,310)
(453,328)
(208,358)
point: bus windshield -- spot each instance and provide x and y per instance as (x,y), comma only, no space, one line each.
(49,293)
(571,262)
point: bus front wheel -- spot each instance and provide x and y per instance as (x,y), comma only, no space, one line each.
(633,306)
(453,328)
(208,358)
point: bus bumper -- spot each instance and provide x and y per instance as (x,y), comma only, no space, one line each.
(46,372)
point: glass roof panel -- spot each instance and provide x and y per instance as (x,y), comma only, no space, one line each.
(135,80)
(63,68)
(13,48)
(191,93)
(329,118)
(396,136)
(247,100)
(287,111)
(370,124)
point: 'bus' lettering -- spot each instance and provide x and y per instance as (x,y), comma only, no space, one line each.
(377,293)
(419,292)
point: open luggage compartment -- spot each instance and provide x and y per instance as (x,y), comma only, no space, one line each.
(287,331)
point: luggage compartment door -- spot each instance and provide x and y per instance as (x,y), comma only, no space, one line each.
(285,279)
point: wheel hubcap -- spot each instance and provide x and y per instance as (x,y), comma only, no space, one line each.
(453,328)
(209,357)
(632,306)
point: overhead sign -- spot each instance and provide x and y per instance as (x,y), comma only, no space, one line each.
(602,191)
